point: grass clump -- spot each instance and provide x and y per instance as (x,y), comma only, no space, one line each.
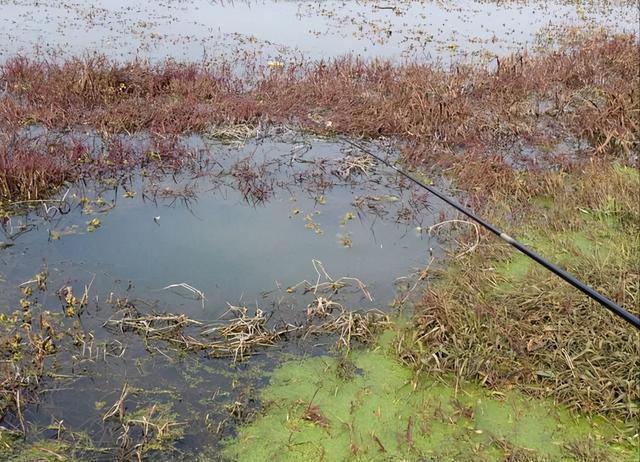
(381,411)
(496,317)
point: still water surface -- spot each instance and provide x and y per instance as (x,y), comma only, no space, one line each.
(195,30)
(222,243)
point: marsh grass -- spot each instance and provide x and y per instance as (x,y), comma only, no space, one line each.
(35,167)
(585,90)
(498,318)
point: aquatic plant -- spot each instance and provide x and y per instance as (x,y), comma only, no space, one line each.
(468,119)
(379,410)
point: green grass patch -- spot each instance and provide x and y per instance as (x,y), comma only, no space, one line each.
(563,248)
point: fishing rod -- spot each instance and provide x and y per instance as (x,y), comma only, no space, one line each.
(582,287)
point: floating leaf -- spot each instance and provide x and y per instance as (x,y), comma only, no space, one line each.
(100,404)
(347,217)
(93,225)
(346,241)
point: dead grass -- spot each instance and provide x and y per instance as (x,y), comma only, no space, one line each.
(145,430)
(238,334)
(235,337)
(587,90)
(327,317)
(496,319)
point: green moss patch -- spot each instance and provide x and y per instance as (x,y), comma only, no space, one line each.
(313,411)
(566,248)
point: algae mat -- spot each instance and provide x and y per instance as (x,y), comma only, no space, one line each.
(371,408)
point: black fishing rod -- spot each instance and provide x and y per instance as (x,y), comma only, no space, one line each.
(598,297)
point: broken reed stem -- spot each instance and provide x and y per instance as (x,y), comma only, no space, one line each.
(352,164)
(348,325)
(236,337)
(333,285)
(239,336)
(198,293)
(118,406)
(475,227)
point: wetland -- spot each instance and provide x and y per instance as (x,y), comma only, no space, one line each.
(195,265)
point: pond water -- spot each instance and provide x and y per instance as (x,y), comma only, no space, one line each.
(199,227)
(195,30)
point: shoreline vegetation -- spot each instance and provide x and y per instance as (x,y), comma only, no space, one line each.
(576,103)
(544,145)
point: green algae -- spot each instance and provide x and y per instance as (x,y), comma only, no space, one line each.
(50,450)
(596,234)
(564,248)
(595,239)
(311,412)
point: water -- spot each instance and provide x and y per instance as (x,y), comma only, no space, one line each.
(195,30)
(219,241)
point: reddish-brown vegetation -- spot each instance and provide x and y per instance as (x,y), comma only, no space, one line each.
(586,91)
